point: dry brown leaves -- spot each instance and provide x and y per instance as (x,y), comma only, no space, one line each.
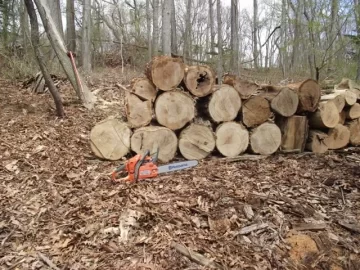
(59,209)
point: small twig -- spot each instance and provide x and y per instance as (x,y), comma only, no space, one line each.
(251,228)
(47,261)
(7,237)
(342,196)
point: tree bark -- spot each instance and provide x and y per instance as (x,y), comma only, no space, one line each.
(174,42)
(220,44)
(255,33)
(234,59)
(265,139)
(232,139)
(70,26)
(294,132)
(54,6)
(212,28)
(148,29)
(86,39)
(166,28)
(187,35)
(155,37)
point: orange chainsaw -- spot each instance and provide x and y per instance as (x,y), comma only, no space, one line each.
(144,166)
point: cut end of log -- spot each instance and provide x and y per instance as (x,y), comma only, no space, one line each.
(196,142)
(144,88)
(338,137)
(199,80)
(139,112)
(354,127)
(309,93)
(255,111)
(353,112)
(326,116)
(245,88)
(232,139)
(317,142)
(265,139)
(285,102)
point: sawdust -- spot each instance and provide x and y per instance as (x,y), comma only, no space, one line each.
(301,246)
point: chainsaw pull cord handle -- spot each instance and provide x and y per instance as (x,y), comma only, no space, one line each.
(138,165)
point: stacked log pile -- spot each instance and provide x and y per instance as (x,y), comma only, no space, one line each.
(182,109)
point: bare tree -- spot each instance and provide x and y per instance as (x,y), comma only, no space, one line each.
(173,28)
(155,41)
(187,36)
(148,27)
(234,59)
(255,33)
(220,49)
(166,28)
(54,6)
(212,27)
(70,26)
(86,30)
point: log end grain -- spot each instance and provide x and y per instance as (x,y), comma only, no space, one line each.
(353,112)
(309,93)
(255,111)
(354,127)
(265,139)
(245,88)
(199,80)
(138,112)
(144,88)
(326,116)
(285,102)
(338,137)
(232,139)
(317,142)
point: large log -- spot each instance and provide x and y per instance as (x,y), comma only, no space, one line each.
(153,138)
(174,109)
(349,97)
(347,84)
(338,137)
(342,117)
(245,88)
(339,100)
(326,116)
(199,80)
(196,141)
(110,139)
(309,93)
(354,127)
(165,72)
(353,112)
(138,112)
(232,139)
(285,102)
(143,88)
(294,131)
(255,111)
(265,139)
(317,142)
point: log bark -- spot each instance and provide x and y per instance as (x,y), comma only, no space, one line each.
(317,142)
(139,112)
(165,72)
(326,116)
(153,138)
(294,132)
(338,137)
(245,88)
(110,139)
(349,96)
(265,139)
(144,88)
(232,139)
(174,109)
(285,102)
(354,127)
(199,80)
(309,93)
(196,141)
(255,111)
(353,112)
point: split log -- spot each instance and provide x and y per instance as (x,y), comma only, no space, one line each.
(165,72)
(196,141)
(354,127)
(294,132)
(232,139)
(349,96)
(353,112)
(143,88)
(338,137)
(285,103)
(342,117)
(317,142)
(326,116)
(199,80)
(138,112)
(265,139)
(255,111)
(245,88)
(309,93)
(153,138)
(174,109)
(110,139)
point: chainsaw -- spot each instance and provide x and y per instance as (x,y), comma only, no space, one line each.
(144,166)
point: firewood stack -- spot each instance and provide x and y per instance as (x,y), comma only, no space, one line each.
(181,109)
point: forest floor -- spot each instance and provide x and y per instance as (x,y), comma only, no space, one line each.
(59,209)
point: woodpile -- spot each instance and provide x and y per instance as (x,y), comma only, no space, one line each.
(182,110)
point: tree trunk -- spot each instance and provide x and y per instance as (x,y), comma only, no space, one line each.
(317,142)
(139,112)
(212,27)
(353,112)
(294,133)
(148,29)
(166,28)
(155,40)
(354,127)
(234,59)
(196,141)
(265,139)
(36,43)
(187,35)
(255,111)
(244,88)
(232,139)
(326,116)
(143,88)
(220,49)
(155,138)
(173,29)
(199,80)
(70,26)
(309,93)
(338,137)
(110,139)
(86,38)
(54,6)
(255,33)
(174,109)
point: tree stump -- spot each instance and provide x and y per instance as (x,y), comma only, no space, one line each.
(294,132)
(309,93)
(199,80)
(265,139)
(174,109)
(354,127)
(338,137)
(139,112)
(232,139)
(317,142)
(353,112)
(143,88)
(255,111)
(196,141)
(110,139)
(245,88)
(326,116)
(153,137)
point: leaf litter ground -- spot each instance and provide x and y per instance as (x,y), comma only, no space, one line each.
(59,209)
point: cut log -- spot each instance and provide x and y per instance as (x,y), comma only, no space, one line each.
(342,117)
(255,111)
(326,116)
(350,97)
(232,139)
(338,99)
(294,132)
(139,112)
(224,104)
(338,137)
(153,138)
(309,93)
(165,72)
(265,139)
(110,139)
(143,88)
(347,84)
(353,112)
(354,127)
(316,142)
(199,80)
(196,141)
(285,102)
(174,109)
(245,88)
